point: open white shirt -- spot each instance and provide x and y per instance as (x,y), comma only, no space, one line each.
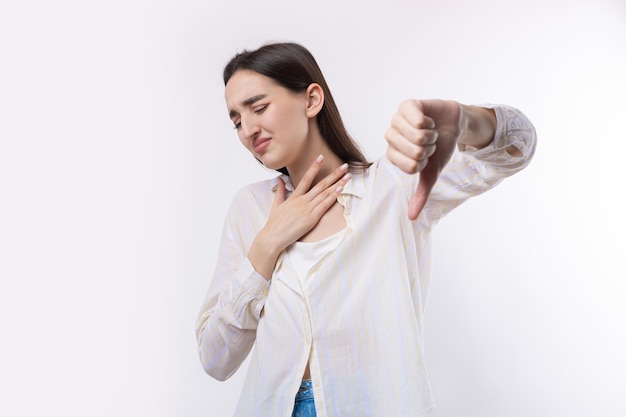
(357,317)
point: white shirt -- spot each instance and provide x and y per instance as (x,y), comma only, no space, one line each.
(357,317)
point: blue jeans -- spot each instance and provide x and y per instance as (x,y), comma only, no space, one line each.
(305,405)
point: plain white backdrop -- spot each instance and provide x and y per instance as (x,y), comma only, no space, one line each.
(118,162)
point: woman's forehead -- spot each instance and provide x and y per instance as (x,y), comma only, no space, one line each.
(247,79)
(244,84)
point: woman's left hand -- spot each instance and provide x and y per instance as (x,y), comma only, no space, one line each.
(421,138)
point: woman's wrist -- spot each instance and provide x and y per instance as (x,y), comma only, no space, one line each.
(263,256)
(478,126)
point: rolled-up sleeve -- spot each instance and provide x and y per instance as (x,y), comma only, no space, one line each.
(513,129)
(471,172)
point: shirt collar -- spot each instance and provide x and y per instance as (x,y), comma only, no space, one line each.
(286,181)
(355,187)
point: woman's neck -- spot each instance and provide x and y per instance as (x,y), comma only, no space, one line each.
(331,162)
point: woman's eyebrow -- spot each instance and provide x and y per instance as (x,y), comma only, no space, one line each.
(248,102)
(253,99)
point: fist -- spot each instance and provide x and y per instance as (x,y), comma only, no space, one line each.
(421,138)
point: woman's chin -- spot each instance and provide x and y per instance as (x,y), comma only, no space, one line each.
(271,164)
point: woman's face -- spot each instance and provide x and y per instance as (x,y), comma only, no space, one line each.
(270,120)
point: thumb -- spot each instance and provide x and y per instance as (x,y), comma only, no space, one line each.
(279,192)
(428,177)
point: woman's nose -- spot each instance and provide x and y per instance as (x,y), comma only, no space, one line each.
(250,129)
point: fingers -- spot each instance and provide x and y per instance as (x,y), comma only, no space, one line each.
(422,138)
(408,156)
(404,162)
(427,180)
(309,176)
(330,190)
(335,177)
(415,127)
(324,194)
(326,183)
(279,194)
(414,113)
(412,137)
(292,217)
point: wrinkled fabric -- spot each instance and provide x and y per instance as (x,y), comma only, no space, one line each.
(356,317)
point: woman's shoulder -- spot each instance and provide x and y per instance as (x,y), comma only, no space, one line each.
(258,187)
(258,192)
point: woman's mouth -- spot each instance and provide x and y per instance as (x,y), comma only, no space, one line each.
(261,144)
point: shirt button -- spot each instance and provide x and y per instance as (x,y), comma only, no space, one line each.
(307,340)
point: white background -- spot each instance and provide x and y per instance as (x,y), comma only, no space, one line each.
(118,161)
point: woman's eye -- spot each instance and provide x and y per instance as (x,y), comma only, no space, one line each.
(260,109)
(237,125)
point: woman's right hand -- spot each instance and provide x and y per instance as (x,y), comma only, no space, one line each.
(293,217)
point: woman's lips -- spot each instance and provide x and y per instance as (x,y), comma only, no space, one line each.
(261,144)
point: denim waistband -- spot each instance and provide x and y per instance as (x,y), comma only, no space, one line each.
(306,390)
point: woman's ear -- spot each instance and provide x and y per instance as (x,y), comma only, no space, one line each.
(315,100)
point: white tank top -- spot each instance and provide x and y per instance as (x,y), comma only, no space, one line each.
(305,255)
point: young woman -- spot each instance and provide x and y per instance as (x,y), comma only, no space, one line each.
(326,267)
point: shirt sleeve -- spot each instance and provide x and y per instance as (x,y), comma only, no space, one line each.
(471,172)
(227,321)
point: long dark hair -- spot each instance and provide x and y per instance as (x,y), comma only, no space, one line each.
(292,66)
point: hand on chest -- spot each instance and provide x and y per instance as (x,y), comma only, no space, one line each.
(330,223)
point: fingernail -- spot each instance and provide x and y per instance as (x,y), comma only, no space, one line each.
(320,158)
(344,167)
(346,177)
(339,189)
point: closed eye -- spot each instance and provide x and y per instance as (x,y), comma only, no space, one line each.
(256,109)
(260,109)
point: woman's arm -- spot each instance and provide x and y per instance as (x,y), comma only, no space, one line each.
(424,134)
(477,126)
(229,315)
